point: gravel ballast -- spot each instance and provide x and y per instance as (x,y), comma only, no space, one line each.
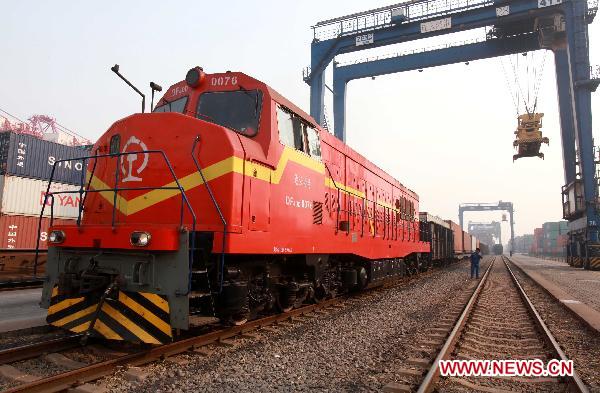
(360,347)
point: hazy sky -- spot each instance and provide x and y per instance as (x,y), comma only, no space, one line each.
(446,132)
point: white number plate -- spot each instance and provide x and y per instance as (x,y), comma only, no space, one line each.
(436,25)
(548,3)
(364,39)
(223,80)
(503,11)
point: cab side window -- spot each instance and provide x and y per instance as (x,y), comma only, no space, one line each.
(314,144)
(296,133)
(286,128)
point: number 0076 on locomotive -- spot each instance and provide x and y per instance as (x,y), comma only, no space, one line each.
(226,201)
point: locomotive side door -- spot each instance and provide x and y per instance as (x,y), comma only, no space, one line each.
(259,196)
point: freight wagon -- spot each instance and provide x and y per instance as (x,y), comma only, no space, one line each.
(439,234)
(497,249)
(462,241)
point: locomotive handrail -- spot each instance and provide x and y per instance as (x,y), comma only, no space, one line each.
(50,195)
(216,204)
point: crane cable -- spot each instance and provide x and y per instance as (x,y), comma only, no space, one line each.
(514,95)
(534,75)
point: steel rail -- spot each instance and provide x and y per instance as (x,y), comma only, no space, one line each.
(64,381)
(17,285)
(433,374)
(29,351)
(575,383)
(69,379)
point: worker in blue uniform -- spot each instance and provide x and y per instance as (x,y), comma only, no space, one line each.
(475,258)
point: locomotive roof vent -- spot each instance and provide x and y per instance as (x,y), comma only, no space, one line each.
(194,77)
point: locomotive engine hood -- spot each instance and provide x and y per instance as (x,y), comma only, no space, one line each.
(144,177)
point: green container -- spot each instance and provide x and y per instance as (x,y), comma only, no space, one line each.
(551,226)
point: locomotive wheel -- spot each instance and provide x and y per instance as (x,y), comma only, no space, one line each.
(363,278)
(286,297)
(239,319)
(320,294)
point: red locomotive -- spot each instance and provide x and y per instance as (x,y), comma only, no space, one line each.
(228,201)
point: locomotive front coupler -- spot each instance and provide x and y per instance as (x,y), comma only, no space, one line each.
(114,286)
(92,280)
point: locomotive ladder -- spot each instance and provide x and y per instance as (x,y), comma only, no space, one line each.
(203,271)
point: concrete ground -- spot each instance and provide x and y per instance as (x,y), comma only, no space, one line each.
(19,309)
(576,288)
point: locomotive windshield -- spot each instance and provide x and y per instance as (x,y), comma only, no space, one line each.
(177,105)
(238,110)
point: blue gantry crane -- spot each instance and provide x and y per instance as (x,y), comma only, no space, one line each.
(515,26)
(487,207)
(488,233)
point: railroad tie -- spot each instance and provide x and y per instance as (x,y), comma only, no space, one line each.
(250,335)
(14,374)
(410,372)
(202,351)
(394,387)
(88,388)
(269,329)
(225,342)
(419,362)
(135,374)
(62,361)
(177,360)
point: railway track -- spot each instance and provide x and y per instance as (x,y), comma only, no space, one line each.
(89,372)
(498,322)
(15,285)
(17,269)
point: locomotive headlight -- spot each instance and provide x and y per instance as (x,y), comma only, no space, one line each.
(194,77)
(56,237)
(140,239)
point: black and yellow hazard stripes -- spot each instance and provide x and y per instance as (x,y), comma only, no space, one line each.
(133,316)
(578,261)
(595,263)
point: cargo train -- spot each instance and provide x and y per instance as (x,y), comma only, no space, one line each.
(228,201)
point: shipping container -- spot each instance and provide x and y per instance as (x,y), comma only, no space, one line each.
(20,232)
(21,196)
(458,238)
(466,242)
(27,156)
(474,243)
(562,240)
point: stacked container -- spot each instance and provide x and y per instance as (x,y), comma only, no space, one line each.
(550,240)
(554,238)
(26,164)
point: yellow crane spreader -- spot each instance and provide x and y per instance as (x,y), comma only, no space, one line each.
(529,136)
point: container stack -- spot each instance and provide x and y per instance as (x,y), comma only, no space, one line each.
(554,237)
(26,164)
(537,244)
(550,240)
(523,243)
